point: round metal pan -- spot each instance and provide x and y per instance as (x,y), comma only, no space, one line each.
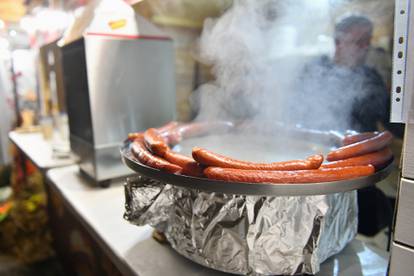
(260,189)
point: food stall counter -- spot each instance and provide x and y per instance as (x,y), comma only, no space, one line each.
(38,150)
(89,230)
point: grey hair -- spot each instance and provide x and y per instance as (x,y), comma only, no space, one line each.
(347,23)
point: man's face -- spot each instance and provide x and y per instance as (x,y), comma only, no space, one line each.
(352,46)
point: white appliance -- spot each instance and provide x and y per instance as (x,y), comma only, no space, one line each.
(402,110)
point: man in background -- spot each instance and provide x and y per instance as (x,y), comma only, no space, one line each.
(342,93)
(345,93)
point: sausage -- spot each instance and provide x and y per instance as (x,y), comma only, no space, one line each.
(155,142)
(172,161)
(302,176)
(378,159)
(203,128)
(163,129)
(351,139)
(375,143)
(210,158)
(144,156)
(175,135)
(190,167)
(172,137)
(135,135)
(168,127)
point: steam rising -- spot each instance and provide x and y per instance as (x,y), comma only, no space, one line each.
(258,51)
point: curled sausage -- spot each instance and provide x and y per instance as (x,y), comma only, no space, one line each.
(190,167)
(210,158)
(168,127)
(203,128)
(302,176)
(135,135)
(172,137)
(355,138)
(175,135)
(378,159)
(144,156)
(163,130)
(155,142)
(375,143)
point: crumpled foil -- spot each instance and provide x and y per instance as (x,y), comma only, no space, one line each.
(249,235)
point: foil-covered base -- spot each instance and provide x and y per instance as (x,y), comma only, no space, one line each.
(251,235)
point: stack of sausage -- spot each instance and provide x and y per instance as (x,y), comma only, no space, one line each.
(360,155)
(152,146)
(362,149)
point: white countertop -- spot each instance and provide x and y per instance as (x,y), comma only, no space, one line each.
(135,252)
(38,150)
(101,210)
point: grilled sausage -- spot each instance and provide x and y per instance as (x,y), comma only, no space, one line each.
(375,143)
(172,137)
(163,130)
(135,135)
(378,159)
(144,156)
(190,167)
(302,176)
(203,128)
(351,139)
(155,142)
(168,127)
(210,158)
(175,135)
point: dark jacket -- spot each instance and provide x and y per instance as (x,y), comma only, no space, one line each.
(354,98)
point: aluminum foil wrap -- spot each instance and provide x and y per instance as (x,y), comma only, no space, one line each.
(249,235)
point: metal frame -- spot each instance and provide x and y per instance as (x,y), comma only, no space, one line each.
(402,253)
(402,84)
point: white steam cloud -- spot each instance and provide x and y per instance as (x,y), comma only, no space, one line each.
(258,50)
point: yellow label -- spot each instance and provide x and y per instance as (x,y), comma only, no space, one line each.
(116,24)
